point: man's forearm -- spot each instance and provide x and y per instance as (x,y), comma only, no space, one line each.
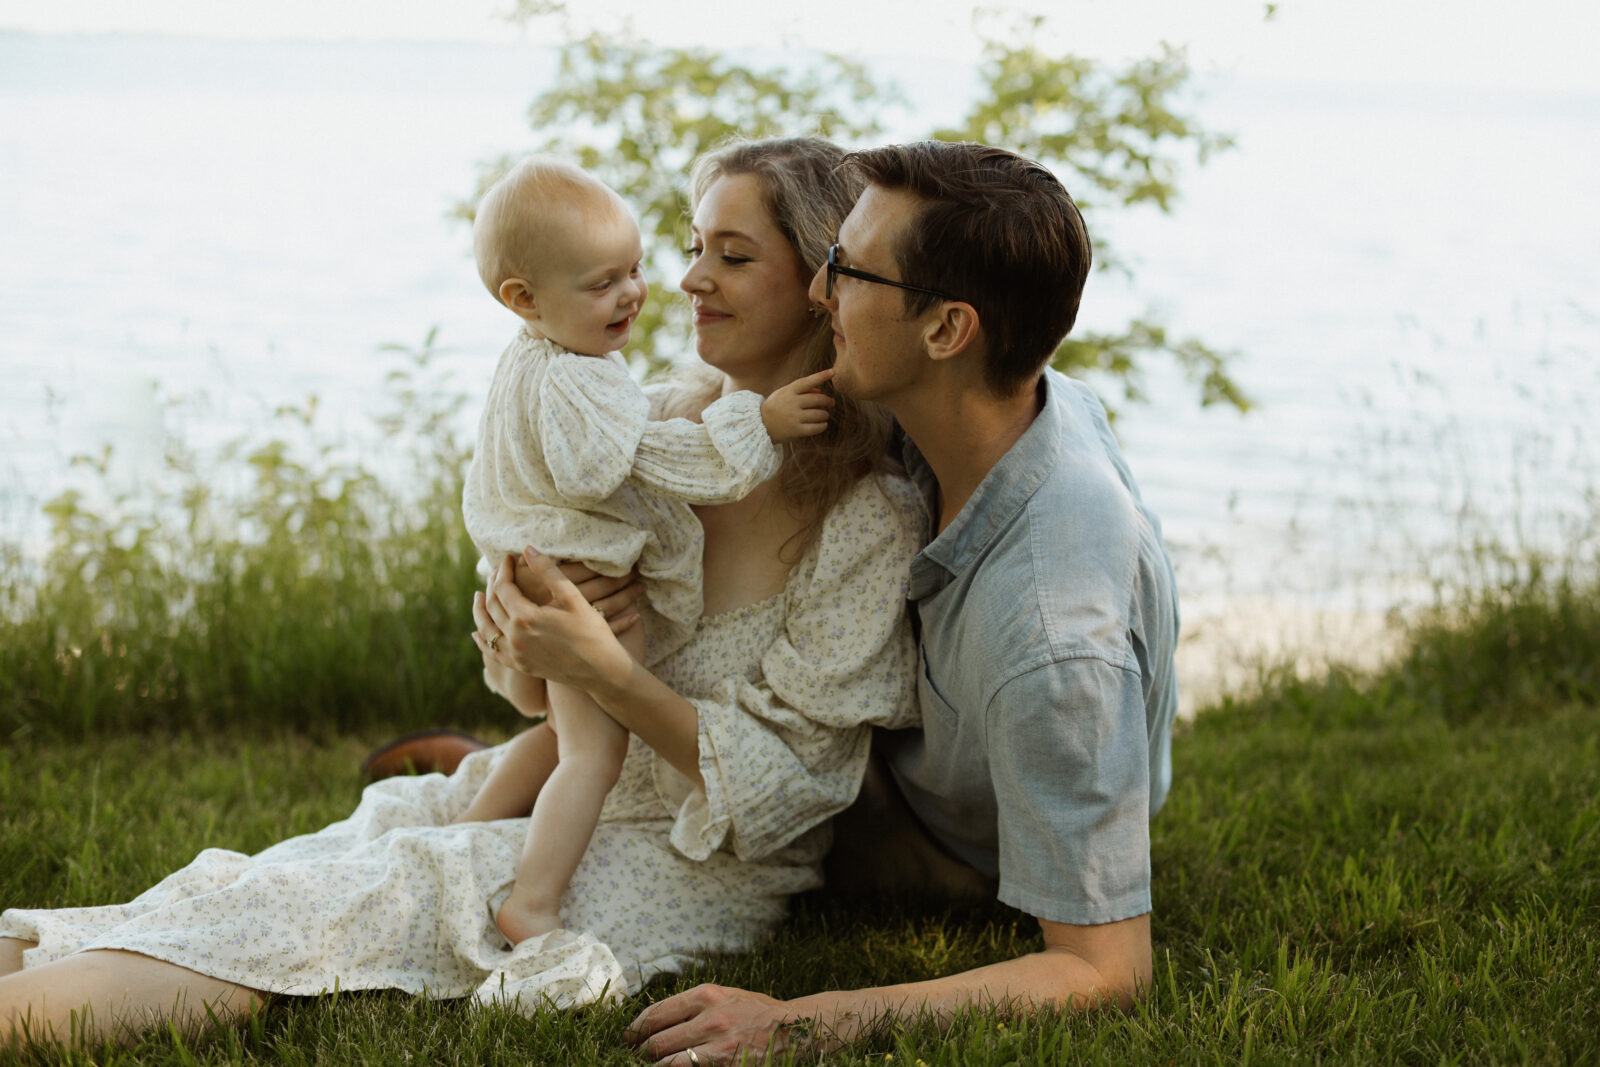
(1055,977)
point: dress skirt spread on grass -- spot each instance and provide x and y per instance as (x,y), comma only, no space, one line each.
(397,897)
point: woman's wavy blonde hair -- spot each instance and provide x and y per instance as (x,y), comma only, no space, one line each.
(808,194)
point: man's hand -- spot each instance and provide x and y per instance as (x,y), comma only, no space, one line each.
(721,1026)
(799,409)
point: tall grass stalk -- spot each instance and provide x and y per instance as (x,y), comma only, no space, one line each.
(318,595)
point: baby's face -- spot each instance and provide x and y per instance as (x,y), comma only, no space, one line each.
(591,288)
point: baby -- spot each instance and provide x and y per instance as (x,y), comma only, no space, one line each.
(569,462)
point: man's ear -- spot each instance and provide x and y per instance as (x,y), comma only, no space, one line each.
(517,294)
(952,331)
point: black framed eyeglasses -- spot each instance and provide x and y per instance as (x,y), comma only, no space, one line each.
(835,268)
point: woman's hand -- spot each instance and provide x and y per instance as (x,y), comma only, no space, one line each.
(536,620)
(613,596)
(547,629)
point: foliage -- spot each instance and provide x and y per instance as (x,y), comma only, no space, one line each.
(317,595)
(1113,137)
(1346,871)
(636,115)
(1528,634)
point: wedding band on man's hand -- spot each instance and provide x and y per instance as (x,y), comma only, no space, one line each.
(694,1057)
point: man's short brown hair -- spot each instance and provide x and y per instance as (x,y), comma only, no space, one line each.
(996,230)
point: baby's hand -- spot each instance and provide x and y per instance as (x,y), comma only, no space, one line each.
(799,409)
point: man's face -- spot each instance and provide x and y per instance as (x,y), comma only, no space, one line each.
(879,352)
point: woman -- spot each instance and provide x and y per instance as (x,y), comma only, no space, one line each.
(745,741)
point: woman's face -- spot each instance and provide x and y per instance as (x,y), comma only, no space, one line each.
(747,285)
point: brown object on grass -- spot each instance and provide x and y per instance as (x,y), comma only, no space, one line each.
(420,752)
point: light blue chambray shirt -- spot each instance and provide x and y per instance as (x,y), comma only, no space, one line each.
(1048,619)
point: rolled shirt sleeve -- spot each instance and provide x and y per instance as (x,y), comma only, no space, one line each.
(1068,755)
(783,752)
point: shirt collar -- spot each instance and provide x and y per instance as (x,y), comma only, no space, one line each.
(1004,491)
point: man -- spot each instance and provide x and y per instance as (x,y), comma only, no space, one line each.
(1044,601)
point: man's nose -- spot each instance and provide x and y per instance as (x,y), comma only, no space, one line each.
(819,287)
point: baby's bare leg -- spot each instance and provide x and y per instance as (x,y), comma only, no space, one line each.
(115,994)
(592,748)
(514,784)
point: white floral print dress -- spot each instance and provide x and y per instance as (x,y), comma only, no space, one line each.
(395,897)
(570,460)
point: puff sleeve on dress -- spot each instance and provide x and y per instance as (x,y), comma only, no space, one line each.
(778,753)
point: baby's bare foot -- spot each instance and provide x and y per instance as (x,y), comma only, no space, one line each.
(519,920)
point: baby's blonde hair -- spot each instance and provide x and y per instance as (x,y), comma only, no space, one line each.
(521,212)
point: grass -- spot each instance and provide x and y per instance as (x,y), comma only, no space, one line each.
(1395,868)
(313,594)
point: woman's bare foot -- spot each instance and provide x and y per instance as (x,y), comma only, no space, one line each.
(520,918)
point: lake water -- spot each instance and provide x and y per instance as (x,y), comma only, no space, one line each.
(1409,278)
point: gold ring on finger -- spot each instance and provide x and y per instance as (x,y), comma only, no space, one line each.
(494,642)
